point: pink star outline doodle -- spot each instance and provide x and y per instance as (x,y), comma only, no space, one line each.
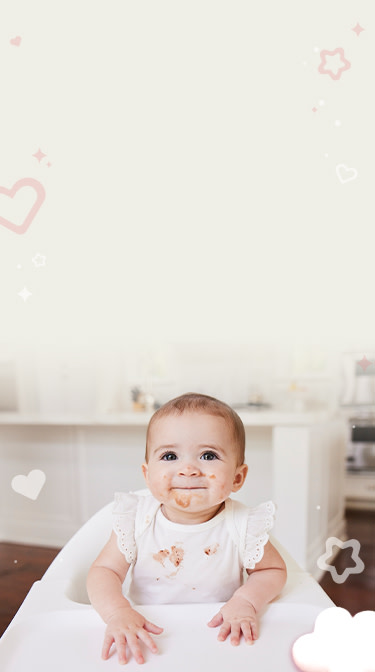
(322,67)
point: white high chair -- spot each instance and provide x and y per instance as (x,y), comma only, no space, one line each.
(57,627)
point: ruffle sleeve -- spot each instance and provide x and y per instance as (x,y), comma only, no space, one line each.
(260,520)
(124,513)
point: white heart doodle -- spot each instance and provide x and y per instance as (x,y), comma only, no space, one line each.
(345,174)
(30,485)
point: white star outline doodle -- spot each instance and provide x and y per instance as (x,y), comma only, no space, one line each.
(39,260)
(333,541)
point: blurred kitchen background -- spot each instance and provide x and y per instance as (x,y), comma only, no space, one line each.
(303,378)
(309,414)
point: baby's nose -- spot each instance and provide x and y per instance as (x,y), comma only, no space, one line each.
(189,469)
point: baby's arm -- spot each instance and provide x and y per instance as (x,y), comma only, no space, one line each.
(125,625)
(239,614)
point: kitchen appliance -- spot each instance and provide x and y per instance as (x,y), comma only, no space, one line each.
(358,379)
(358,407)
(361,444)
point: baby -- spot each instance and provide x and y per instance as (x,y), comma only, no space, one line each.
(186,540)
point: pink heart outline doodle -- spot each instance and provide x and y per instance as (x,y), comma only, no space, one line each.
(40,196)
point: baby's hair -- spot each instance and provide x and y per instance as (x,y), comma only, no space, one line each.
(202,403)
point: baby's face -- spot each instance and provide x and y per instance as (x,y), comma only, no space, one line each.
(192,465)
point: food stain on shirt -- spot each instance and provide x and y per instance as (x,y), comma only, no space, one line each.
(175,556)
(210,550)
(161,556)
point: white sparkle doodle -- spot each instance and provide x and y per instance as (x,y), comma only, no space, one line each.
(24,294)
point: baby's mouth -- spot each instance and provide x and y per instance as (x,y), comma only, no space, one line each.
(191,487)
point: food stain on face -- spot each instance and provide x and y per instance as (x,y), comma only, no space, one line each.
(182,500)
(210,550)
(212,476)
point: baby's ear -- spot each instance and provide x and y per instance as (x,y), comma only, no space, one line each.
(239,477)
(145,471)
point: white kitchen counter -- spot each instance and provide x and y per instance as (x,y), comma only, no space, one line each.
(256,418)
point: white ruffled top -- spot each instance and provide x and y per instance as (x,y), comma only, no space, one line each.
(171,562)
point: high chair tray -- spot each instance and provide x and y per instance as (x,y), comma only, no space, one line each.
(72,639)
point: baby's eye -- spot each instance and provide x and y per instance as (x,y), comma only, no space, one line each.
(169,456)
(209,455)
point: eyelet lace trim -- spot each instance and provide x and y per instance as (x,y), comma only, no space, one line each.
(260,520)
(124,512)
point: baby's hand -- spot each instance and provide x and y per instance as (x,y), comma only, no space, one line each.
(126,627)
(236,616)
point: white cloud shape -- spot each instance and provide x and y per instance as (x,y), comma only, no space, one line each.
(340,643)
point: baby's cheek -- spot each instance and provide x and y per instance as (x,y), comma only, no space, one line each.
(221,486)
(159,484)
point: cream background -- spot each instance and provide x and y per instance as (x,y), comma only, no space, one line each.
(192,193)
(192,198)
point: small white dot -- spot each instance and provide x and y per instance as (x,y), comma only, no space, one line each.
(322,103)
(337,122)
(15,561)
(18,266)
(316,50)
(318,507)
(326,155)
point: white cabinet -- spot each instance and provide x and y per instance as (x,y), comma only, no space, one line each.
(360,490)
(309,476)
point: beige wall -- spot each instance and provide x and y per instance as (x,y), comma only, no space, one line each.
(191,191)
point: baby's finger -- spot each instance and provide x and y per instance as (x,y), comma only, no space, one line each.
(145,637)
(216,620)
(107,643)
(247,632)
(254,629)
(120,643)
(151,627)
(133,643)
(235,634)
(224,632)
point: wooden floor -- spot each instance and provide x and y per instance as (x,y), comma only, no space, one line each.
(21,565)
(357,593)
